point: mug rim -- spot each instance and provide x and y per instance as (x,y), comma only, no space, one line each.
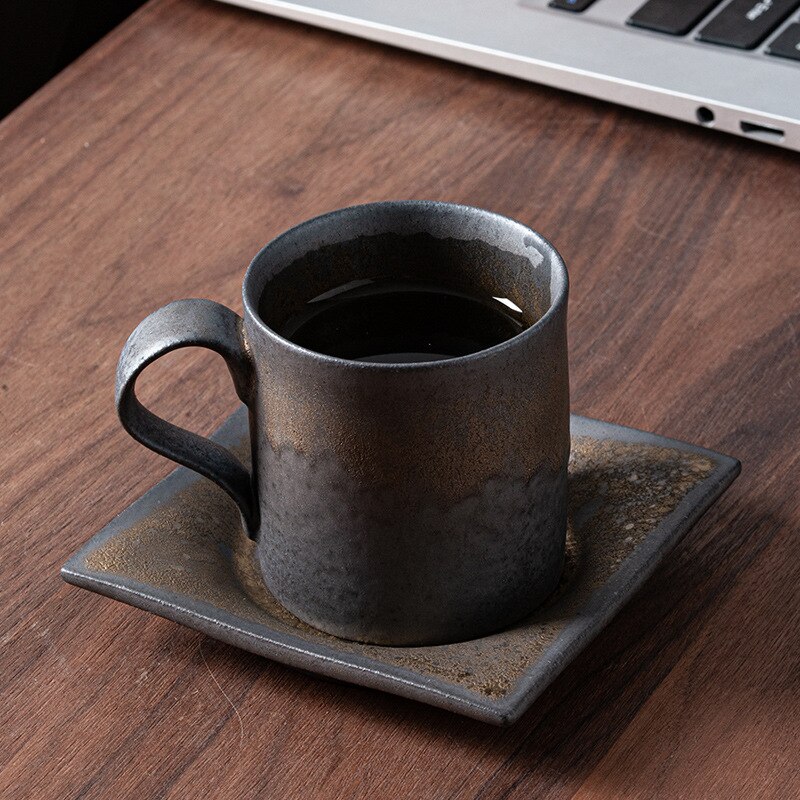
(557,301)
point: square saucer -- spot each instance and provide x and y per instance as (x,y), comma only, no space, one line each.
(179,552)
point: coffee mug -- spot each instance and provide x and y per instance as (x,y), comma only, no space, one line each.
(399,501)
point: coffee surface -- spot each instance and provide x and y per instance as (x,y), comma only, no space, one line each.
(397,321)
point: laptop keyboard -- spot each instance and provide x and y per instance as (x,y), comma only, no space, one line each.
(675,17)
(743,24)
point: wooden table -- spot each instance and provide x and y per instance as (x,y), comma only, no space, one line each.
(154,168)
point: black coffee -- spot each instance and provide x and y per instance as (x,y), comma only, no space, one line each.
(395,321)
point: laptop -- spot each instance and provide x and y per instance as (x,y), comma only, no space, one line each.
(726,65)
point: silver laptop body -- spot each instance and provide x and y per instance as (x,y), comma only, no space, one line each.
(598,52)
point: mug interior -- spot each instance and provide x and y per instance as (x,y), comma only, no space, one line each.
(455,247)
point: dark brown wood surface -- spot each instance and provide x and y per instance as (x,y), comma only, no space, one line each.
(153,169)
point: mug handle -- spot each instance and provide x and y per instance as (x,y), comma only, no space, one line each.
(187,323)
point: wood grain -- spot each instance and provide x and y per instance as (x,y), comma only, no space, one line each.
(154,168)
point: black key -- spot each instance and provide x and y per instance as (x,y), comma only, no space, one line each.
(571,5)
(671,16)
(746,23)
(787,45)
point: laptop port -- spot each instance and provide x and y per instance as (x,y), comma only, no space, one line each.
(705,116)
(764,132)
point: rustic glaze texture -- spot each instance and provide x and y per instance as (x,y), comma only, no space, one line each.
(411,504)
(152,169)
(398,504)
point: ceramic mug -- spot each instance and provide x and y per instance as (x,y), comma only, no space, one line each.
(394,503)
